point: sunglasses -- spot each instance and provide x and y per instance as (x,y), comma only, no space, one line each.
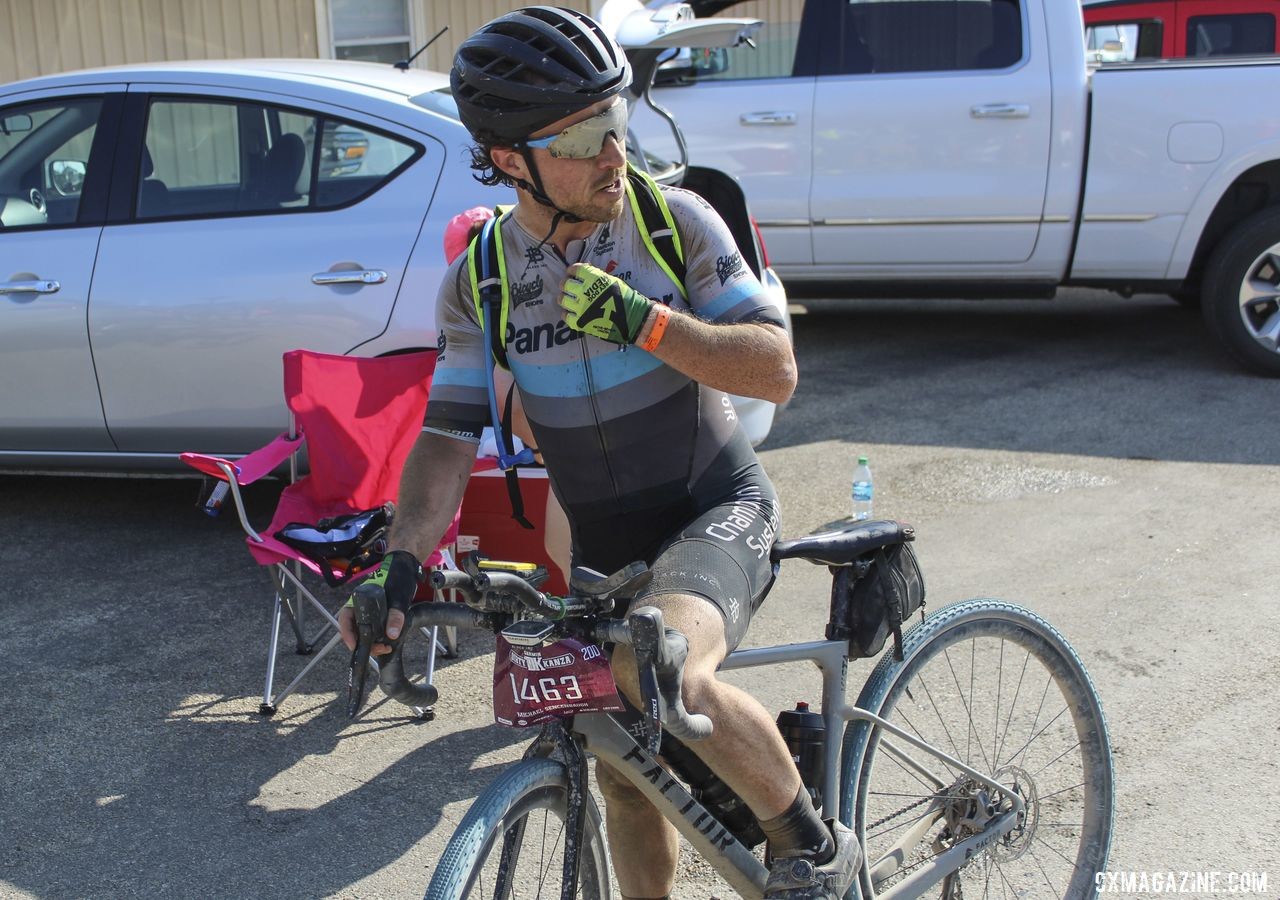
(585,139)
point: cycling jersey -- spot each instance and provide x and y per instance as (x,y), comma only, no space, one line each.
(635,450)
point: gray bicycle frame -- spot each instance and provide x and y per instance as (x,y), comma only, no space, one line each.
(610,741)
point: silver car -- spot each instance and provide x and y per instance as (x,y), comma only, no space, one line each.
(170,229)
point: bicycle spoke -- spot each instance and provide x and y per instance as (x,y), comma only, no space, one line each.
(1014,705)
(1055,759)
(967,711)
(995,729)
(1063,791)
(1048,880)
(1047,726)
(1065,858)
(973,665)
(941,721)
(1036,720)
(1006,881)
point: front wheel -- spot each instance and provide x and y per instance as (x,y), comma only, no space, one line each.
(997,688)
(510,845)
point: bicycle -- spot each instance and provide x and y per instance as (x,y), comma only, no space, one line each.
(1017,808)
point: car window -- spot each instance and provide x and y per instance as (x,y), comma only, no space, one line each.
(930,35)
(44,159)
(355,160)
(1109,42)
(1231,35)
(220,157)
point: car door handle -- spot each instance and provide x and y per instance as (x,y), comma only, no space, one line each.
(1000,111)
(30,287)
(768,118)
(350,276)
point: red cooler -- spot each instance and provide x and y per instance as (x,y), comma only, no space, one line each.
(487,525)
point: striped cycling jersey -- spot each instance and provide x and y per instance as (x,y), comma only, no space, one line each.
(633,448)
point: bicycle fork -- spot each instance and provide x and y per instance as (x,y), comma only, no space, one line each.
(551,740)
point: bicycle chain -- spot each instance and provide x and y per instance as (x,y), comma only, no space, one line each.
(921,802)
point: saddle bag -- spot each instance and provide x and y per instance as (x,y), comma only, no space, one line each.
(872,597)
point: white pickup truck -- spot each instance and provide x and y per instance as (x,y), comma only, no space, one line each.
(943,148)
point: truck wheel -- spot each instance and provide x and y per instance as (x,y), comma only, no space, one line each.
(1242,292)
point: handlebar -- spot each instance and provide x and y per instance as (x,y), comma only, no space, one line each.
(660,657)
(392,678)
(492,596)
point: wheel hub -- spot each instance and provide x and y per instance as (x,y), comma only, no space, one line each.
(974,807)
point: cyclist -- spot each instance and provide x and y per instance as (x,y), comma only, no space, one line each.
(623,382)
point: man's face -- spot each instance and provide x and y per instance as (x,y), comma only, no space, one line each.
(591,189)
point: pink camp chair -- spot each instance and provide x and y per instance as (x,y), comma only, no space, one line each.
(358,419)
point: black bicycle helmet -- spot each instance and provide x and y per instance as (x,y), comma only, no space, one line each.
(522,71)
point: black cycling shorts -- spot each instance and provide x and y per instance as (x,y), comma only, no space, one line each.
(723,555)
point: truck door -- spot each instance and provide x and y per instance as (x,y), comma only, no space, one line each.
(931,135)
(749,112)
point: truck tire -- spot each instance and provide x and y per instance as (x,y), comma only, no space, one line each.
(1242,292)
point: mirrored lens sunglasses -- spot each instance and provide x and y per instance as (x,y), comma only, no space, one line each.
(585,139)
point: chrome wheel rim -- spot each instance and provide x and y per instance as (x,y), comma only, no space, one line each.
(1260,299)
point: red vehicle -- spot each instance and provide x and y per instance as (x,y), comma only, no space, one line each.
(1127,30)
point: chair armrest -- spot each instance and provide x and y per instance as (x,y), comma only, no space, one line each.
(247,469)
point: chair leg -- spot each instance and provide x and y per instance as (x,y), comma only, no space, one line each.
(307,668)
(303,646)
(268,705)
(290,603)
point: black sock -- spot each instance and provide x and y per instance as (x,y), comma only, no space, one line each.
(799,831)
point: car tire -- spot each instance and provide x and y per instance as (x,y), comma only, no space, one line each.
(1241,295)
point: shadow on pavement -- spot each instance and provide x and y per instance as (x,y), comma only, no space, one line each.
(135,763)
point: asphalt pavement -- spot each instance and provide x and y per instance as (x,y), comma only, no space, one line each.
(1092,458)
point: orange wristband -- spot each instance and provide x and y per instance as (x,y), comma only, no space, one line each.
(659,328)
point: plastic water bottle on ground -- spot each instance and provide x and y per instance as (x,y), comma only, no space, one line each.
(862,490)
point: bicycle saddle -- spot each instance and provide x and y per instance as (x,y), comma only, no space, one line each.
(842,546)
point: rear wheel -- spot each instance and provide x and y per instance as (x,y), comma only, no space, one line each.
(510,845)
(1242,292)
(997,688)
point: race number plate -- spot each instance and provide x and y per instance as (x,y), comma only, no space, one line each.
(532,685)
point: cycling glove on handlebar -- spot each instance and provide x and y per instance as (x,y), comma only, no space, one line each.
(398,576)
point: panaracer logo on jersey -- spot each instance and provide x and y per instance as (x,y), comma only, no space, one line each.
(532,660)
(539,337)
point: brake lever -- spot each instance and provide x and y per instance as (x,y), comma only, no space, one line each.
(644,644)
(660,648)
(370,622)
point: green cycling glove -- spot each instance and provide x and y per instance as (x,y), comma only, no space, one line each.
(602,306)
(398,574)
